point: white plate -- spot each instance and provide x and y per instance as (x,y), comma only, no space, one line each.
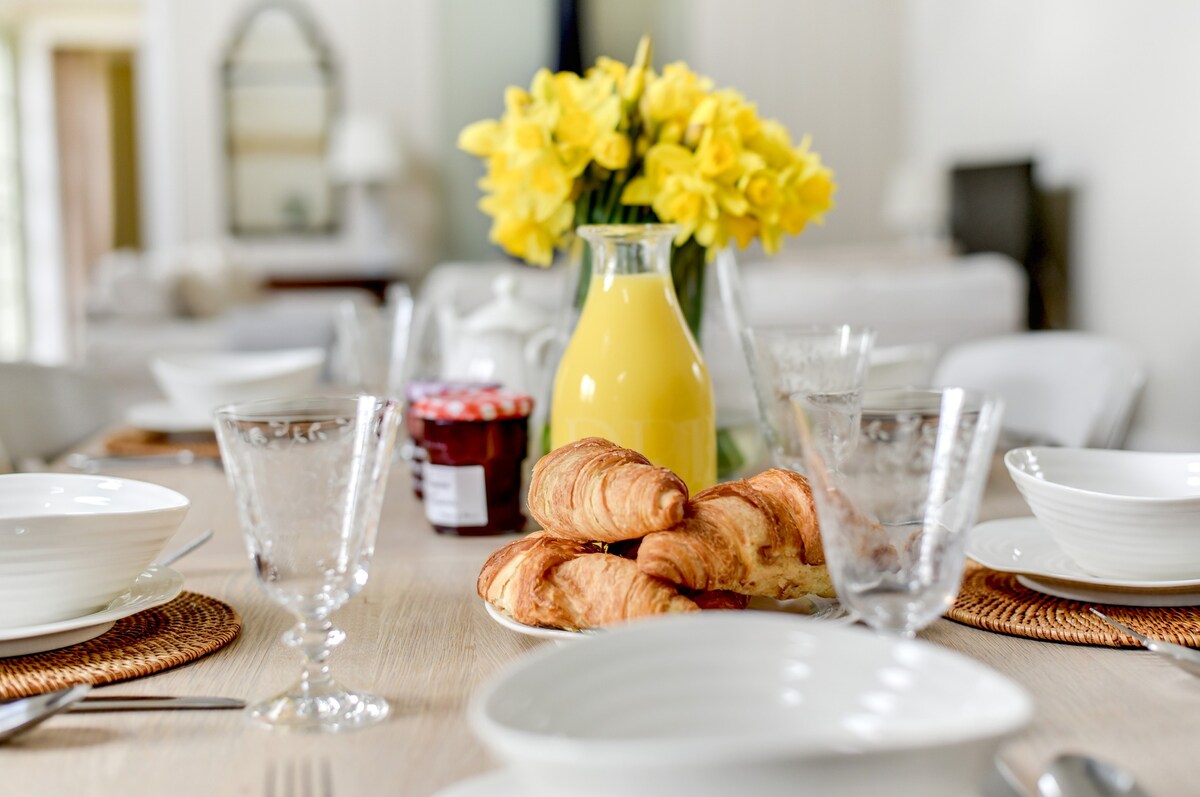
(1021,546)
(163,416)
(156,586)
(497,783)
(809,606)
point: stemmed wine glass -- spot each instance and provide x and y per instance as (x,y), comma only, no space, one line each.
(821,367)
(309,478)
(896,506)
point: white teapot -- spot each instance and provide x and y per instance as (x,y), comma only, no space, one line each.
(504,341)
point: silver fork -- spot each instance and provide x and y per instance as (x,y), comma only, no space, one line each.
(300,778)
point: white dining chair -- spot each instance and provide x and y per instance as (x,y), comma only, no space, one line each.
(1072,389)
(45,410)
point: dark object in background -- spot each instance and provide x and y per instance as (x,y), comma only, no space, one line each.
(570,40)
(999,208)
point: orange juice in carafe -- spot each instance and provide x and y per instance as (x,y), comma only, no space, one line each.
(632,371)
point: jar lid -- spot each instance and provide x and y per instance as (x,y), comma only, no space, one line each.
(438,387)
(474,405)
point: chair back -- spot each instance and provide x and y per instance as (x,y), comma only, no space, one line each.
(1073,389)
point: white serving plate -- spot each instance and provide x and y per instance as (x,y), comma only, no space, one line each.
(163,416)
(718,703)
(813,606)
(156,586)
(499,783)
(1023,547)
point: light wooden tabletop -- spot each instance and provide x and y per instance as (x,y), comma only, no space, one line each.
(419,635)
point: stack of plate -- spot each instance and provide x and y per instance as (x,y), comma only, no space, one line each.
(1114,527)
(76,553)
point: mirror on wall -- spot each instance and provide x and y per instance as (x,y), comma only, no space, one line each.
(279,92)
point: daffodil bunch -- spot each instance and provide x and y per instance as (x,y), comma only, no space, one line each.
(628,145)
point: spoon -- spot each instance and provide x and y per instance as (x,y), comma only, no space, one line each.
(21,715)
(1184,658)
(1082,776)
(179,553)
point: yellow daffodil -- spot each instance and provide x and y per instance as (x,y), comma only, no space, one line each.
(629,143)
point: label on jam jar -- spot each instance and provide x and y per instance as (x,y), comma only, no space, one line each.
(455,496)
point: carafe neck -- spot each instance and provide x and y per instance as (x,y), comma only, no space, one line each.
(620,249)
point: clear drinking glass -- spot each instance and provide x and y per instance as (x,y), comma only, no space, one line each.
(821,367)
(309,478)
(896,509)
(372,343)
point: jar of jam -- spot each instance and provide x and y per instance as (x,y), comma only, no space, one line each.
(414,392)
(475,442)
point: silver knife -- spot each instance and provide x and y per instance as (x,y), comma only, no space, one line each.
(151,703)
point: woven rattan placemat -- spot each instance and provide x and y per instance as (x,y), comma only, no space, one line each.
(150,641)
(995,601)
(143,442)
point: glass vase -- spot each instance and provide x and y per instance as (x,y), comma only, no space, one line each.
(632,371)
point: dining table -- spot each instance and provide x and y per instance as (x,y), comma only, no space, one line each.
(419,634)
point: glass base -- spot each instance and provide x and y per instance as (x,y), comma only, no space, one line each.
(328,710)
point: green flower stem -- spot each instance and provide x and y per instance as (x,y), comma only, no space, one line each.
(687,271)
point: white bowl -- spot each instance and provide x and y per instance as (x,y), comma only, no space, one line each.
(200,382)
(70,543)
(721,703)
(1117,514)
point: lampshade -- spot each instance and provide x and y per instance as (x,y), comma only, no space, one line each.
(362,150)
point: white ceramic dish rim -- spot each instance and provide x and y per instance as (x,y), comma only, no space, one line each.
(273,364)
(165,416)
(173,501)
(1019,474)
(557,634)
(1017,713)
(756,604)
(1082,577)
(168,584)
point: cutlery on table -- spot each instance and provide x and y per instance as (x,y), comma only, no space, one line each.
(1185,658)
(18,716)
(1084,776)
(92,464)
(96,703)
(1069,775)
(179,553)
(300,778)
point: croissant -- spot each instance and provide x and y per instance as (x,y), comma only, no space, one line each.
(561,583)
(758,536)
(595,490)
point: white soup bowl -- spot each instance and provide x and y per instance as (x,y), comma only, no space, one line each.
(722,703)
(1118,514)
(70,543)
(197,383)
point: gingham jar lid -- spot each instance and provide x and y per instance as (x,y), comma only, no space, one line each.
(474,405)
(415,391)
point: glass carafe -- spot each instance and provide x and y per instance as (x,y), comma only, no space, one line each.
(632,371)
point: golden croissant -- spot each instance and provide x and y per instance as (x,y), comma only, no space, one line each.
(758,536)
(594,490)
(561,583)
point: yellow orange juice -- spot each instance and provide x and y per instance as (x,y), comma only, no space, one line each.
(632,373)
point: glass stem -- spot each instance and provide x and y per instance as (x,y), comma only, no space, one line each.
(314,638)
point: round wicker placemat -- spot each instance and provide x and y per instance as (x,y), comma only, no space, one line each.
(133,442)
(150,641)
(995,601)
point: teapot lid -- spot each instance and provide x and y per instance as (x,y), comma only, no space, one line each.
(506,312)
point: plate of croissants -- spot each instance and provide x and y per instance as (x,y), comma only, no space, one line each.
(621,540)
